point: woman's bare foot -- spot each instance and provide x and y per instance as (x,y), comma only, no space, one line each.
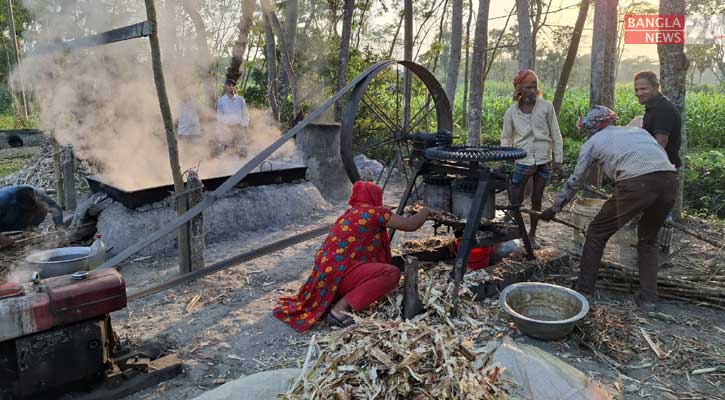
(340,308)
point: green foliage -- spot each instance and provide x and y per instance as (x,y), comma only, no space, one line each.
(255,93)
(705,120)
(705,182)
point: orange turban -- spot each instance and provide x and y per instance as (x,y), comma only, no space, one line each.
(522,78)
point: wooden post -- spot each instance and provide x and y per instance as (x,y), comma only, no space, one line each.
(59,196)
(194,189)
(412,304)
(169,130)
(67,168)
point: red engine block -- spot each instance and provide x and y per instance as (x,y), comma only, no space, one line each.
(60,301)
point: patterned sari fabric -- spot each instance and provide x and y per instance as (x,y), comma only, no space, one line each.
(359,236)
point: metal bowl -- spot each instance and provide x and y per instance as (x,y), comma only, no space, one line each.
(542,310)
(60,261)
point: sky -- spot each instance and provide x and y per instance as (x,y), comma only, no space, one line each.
(501,8)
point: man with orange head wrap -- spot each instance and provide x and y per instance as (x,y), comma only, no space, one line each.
(530,123)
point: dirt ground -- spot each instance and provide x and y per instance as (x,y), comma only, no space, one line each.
(231,332)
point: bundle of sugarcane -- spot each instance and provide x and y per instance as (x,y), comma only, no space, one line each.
(430,356)
(706,289)
(377,359)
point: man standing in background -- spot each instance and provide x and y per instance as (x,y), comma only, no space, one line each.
(232,118)
(189,128)
(661,118)
(530,123)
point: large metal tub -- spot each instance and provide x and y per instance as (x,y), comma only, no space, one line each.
(542,310)
(60,261)
(268,173)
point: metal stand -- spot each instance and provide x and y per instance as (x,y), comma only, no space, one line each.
(467,162)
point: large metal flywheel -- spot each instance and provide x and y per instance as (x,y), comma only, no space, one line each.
(372,121)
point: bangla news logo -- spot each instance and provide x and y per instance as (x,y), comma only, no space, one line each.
(673,29)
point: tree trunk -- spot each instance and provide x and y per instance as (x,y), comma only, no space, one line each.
(440,37)
(467,64)
(604,53)
(570,56)
(454,59)
(290,21)
(673,77)
(395,37)
(245,25)
(604,58)
(270,55)
(525,40)
(361,26)
(16,57)
(209,83)
(492,58)
(286,59)
(183,244)
(408,56)
(348,8)
(478,62)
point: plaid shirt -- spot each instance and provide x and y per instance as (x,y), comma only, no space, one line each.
(623,152)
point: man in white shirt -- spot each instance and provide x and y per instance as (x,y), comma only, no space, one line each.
(530,123)
(232,117)
(189,127)
(645,183)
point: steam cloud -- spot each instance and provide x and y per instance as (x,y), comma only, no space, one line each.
(103,101)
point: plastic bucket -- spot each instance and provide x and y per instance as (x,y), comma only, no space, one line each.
(620,248)
(479,257)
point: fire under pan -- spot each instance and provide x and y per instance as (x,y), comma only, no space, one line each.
(269,173)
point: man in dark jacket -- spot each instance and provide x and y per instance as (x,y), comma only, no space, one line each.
(23,207)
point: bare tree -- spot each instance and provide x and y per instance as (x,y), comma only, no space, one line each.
(290,21)
(16,55)
(478,63)
(604,58)
(348,8)
(673,76)
(454,59)
(538,21)
(285,55)
(526,51)
(467,64)
(245,25)
(570,56)
(395,37)
(407,55)
(270,55)
(361,26)
(604,53)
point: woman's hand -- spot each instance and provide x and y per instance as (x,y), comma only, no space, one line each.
(409,224)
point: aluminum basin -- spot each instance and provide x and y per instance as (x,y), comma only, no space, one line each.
(542,310)
(60,261)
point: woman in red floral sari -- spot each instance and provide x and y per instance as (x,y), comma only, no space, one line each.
(352,267)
